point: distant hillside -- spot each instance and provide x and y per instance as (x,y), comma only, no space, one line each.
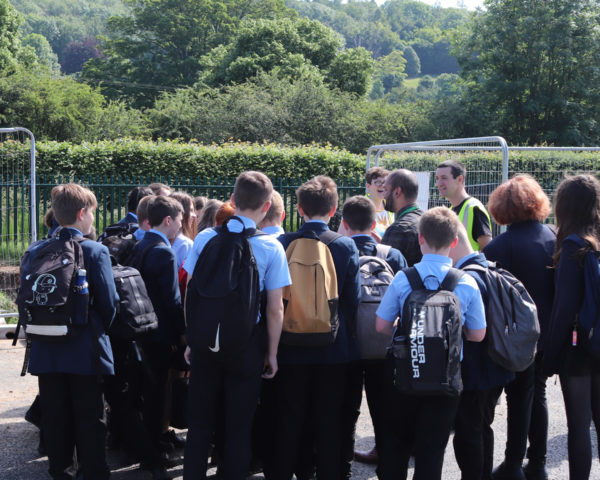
(65,22)
(395,25)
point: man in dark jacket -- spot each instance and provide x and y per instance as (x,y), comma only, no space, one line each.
(402,189)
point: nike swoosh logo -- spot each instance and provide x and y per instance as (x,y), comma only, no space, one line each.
(216,347)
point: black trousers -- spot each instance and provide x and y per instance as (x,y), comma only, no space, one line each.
(473,434)
(416,425)
(309,398)
(73,417)
(519,402)
(538,427)
(371,374)
(124,395)
(231,383)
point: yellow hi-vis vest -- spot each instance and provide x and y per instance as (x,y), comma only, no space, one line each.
(466,216)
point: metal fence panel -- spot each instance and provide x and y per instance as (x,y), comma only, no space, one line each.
(17,208)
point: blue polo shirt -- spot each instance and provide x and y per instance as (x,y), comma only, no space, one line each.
(432,269)
(273,230)
(270,257)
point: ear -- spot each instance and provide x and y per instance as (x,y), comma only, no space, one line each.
(300,210)
(421,240)
(345,223)
(265,207)
(283,216)
(454,242)
(374,225)
(232,200)
(80,213)
(332,211)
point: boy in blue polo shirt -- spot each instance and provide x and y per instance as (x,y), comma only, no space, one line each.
(232,382)
(420,425)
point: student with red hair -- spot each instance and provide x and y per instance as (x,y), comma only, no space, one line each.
(526,250)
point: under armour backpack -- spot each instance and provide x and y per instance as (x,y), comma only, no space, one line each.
(310,316)
(513,328)
(588,317)
(223,296)
(375,278)
(427,343)
(53,296)
(120,241)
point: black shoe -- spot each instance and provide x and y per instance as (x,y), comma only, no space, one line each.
(536,471)
(505,472)
(171,437)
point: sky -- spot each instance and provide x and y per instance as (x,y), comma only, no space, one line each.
(472,4)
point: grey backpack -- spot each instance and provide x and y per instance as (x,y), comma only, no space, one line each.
(375,278)
(511,316)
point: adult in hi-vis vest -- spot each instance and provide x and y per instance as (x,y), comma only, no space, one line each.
(450,180)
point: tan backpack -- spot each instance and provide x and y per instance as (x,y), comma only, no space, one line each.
(311,301)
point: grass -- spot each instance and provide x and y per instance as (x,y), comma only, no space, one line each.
(7,305)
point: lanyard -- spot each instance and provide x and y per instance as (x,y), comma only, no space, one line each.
(411,209)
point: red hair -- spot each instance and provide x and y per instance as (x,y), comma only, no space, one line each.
(519,200)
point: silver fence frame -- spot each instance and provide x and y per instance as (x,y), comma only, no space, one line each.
(33,208)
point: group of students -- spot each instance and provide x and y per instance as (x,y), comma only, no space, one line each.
(293,408)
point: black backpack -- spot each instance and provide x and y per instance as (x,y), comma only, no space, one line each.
(223,296)
(375,278)
(119,240)
(511,316)
(53,296)
(135,316)
(428,340)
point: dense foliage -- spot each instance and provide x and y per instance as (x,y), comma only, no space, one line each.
(190,160)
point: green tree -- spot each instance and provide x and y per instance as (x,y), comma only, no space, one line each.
(351,71)
(413,64)
(159,45)
(291,45)
(389,70)
(9,37)
(531,67)
(45,55)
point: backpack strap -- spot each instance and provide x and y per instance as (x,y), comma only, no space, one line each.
(414,279)
(328,237)
(451,280)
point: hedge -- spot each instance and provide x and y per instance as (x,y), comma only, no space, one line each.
(188,160)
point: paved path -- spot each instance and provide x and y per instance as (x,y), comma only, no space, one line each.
(19,459)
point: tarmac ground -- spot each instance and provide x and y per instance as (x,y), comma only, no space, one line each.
(19,458)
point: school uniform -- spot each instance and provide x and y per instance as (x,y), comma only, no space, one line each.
(482,377)
(68,373)
(420,425)
(370,373)
(158,269)
(129,218)
(231,382)
(310,385)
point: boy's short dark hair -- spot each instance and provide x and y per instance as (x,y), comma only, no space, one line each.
(359,213)
(251,191)
(317,196)
(158,187)
(376,172)
(406,180)
(456,168)
(439,227)
(135,195)
(68,199)
(160,207)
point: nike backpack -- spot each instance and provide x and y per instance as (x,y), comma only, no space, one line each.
(427,343)
(223,296)
(310,303)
